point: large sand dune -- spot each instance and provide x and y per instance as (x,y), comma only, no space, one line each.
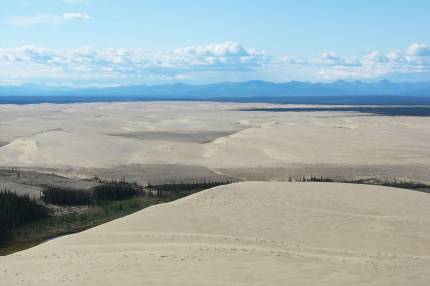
(256,233)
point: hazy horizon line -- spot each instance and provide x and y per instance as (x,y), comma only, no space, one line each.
(75,86)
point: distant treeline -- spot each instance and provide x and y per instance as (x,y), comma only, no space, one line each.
(115,191)
(121,190)
(66,197)
(378,110)
(404,184)
(393,183)
(16,210)
(112,191)
(172,187)
(178,190)
(310,178)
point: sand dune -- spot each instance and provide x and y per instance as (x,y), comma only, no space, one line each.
(214,135)
(255,233)
(59,148)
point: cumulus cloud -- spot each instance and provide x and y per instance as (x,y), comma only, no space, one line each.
(330,66)
(332,59)
(227,56)
(418,50)
(51,19)
(122,64)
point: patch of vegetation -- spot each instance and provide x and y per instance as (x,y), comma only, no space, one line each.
(16,210)
(116,191)
(404,184)
(396,183)
(36,232)
(109,191)
(66,197)
(311,178)
(182,189)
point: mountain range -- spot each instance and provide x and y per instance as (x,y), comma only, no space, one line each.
(338,92)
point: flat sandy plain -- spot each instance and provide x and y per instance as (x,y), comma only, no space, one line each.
(249,233)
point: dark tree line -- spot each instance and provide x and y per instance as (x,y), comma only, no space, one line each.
(66,197)
(182,189)
(311,178)
(110,191)
(187,186)
(391,183)
(121,190)
(116,190)
(15,210)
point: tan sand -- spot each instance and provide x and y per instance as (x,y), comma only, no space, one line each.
(255,233)
(212,135)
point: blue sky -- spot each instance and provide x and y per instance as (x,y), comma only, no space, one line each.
(107,42)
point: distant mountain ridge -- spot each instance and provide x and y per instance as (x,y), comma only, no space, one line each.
(232,90)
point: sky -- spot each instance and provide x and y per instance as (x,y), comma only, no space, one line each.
(112,42)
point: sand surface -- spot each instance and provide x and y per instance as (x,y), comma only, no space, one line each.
(254,233)
(83,139)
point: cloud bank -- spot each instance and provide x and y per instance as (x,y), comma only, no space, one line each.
(330,66)
(213,62)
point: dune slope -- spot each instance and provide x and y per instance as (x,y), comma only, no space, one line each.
(254,233)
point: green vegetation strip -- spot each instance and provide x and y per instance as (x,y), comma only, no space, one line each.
(36,232)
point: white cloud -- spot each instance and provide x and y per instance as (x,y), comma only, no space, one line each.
(130,65)
(222,61)
(330,66)
(227,55)
(420,50)
(75,16)
(51,19)
(332,59)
